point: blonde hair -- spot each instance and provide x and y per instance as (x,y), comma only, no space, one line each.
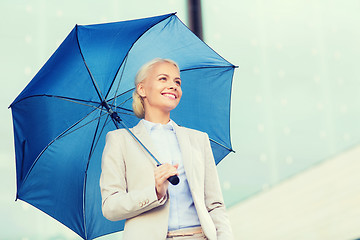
(138,102)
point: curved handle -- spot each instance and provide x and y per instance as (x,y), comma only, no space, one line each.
(174,180)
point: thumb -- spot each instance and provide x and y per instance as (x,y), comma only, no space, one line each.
(176,166)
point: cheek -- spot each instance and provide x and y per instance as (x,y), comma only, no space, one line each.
(154,96)
(151,91)
(180,94)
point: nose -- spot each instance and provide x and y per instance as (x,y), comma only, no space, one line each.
(173,86)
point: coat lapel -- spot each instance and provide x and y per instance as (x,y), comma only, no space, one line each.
(185,148)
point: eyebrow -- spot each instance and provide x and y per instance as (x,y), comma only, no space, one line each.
(167,75)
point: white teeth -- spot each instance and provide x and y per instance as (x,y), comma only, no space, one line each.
(169,95)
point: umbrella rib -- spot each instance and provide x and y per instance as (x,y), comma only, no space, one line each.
(131,89)
(196,68)
(47,146)
(205,67)
(86,170)
(64,135)
(129,114)
(210,47)
(122,108)
(124,102)
(91,152)
(118,106)
(88,105)
(229,149)
(69,100)
(99,93)
(84,193)
(118,86)
(74,100)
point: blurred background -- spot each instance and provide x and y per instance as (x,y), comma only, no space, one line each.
(295,108)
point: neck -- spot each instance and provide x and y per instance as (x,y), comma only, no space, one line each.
(157,116)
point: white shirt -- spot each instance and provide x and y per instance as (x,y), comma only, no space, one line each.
(182,209)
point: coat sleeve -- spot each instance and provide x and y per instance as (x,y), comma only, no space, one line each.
(213,196)
(117,202)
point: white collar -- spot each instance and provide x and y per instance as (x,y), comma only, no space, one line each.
(151,125)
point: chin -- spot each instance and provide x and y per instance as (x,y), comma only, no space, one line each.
(170,108)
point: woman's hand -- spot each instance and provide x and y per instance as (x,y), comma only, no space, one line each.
(161,174)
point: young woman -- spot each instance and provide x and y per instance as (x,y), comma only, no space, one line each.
(135,189)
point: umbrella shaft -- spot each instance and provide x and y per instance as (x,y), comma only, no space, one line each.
(117,119)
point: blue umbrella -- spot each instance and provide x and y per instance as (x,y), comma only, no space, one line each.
(62,116)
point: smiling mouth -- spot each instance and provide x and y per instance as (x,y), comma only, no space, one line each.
(169,95)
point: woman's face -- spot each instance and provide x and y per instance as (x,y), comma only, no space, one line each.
(161,89)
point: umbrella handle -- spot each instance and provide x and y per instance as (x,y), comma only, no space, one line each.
(174,180)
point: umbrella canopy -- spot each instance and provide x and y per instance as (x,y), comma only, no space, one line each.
(62,116)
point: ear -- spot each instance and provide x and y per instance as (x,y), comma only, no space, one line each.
(141,90)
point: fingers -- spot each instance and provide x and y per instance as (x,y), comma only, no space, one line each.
(161,174)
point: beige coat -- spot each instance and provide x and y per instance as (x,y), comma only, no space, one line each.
(128,185)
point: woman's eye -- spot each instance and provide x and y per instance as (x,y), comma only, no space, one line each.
(163,79)
(178,83)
